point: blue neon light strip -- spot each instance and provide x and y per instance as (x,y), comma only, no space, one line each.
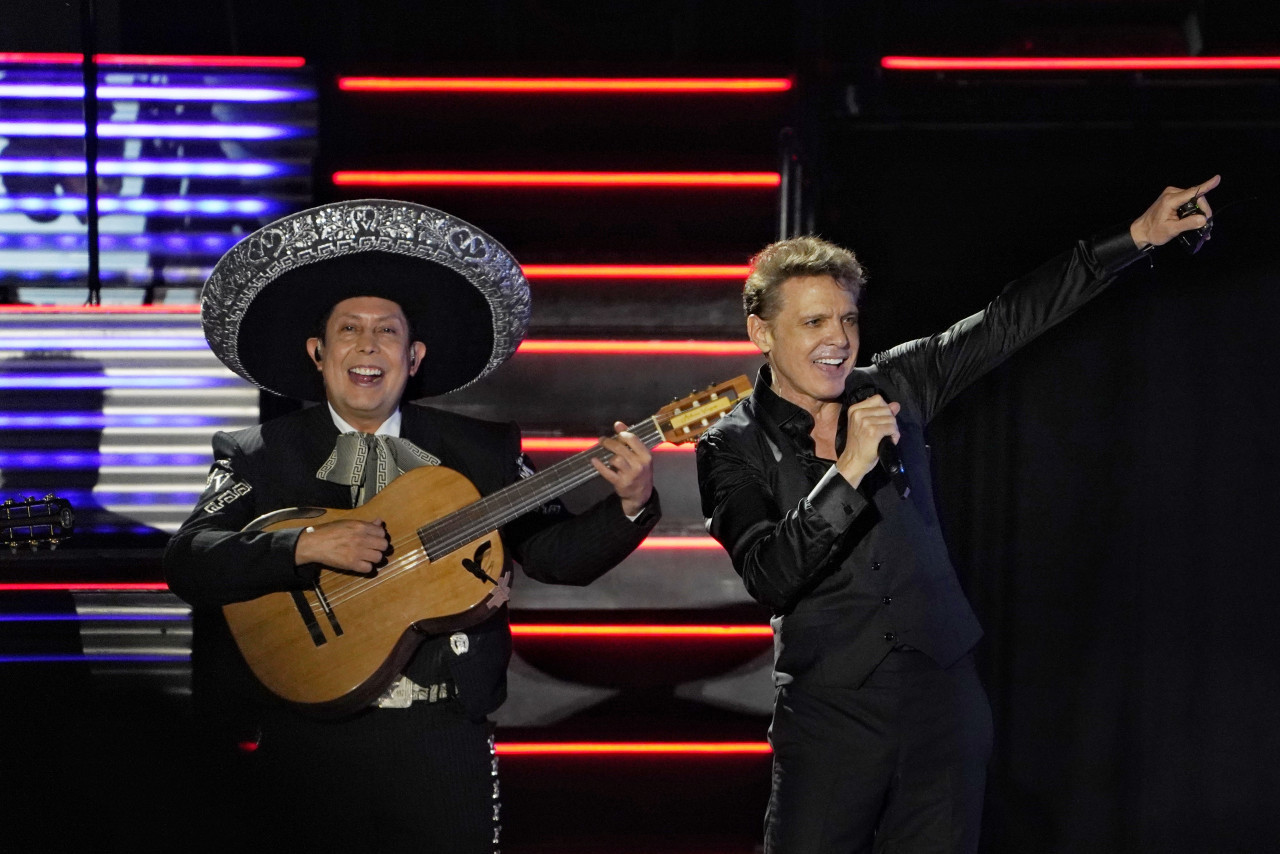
(102,343)
(89,498)
(151,168)
(136,530)
(73,657)
(156,93)
(208,243)
(51,381)
(77,274)
(153,130)
(155,205)
(83,459)
(49,421)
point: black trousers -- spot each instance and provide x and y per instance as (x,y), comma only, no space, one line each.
(895,765)
(422,779)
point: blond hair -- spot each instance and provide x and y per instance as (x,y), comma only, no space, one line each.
(798,256)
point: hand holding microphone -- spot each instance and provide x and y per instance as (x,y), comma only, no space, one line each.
(873,435)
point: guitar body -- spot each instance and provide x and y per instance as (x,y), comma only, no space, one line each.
(337,660)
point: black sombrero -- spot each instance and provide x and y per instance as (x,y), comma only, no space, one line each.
(463,293)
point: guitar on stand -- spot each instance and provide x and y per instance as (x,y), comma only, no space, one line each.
(333,649)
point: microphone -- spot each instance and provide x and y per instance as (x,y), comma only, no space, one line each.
(887,451)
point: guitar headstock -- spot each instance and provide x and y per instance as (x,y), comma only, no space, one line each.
(35,522)
(688,418)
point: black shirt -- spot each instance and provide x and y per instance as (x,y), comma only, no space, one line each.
(851,573)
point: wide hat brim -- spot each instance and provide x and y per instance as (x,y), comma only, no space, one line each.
(463,293)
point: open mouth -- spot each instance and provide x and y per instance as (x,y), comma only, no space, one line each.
(363,375)
(830,364)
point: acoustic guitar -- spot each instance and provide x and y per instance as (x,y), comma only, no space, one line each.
(333,649)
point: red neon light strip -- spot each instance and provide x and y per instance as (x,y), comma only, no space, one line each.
(637,348)
(636,271)
(188,308)
(557,179)
(20,587)
(565,630)
(1141,63)
(681,543)
(574,445)
(46,58)
(146,59)
(582,748)
(582,85)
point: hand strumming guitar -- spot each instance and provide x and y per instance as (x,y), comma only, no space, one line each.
(348,544)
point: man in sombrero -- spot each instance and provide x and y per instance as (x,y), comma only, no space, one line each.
(362,307)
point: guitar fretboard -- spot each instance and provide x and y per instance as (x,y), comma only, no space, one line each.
(493,511)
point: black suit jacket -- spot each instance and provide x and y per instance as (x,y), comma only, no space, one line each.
(210,562)
(851,573)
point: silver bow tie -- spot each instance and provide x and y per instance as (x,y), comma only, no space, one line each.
(367,463)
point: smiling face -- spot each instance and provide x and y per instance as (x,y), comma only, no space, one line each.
(811,341)
(366,359)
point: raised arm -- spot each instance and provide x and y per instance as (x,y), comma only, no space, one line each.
(940,366)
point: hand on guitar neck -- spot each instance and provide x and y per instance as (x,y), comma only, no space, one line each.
(348,544)
(629,470)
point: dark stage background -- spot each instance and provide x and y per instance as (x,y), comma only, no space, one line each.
(1107,492)
(1110,493)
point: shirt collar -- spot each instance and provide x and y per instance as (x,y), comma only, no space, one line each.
(795,422)
(791,418)
(390,427)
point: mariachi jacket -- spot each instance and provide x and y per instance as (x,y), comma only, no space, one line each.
(210,562)
(851,573)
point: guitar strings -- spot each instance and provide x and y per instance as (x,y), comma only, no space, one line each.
(348,592)
(462,523)
(462,535)
(464,519)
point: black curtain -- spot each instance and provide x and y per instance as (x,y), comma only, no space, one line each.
(1115,524)
(1109,492)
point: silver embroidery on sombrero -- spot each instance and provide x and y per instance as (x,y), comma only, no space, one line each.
(344,228)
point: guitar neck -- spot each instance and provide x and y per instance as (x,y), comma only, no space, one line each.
(493,511)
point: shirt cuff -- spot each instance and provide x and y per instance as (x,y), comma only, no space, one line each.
(836,500)
(286,542)
(1115,250)
(649,512)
